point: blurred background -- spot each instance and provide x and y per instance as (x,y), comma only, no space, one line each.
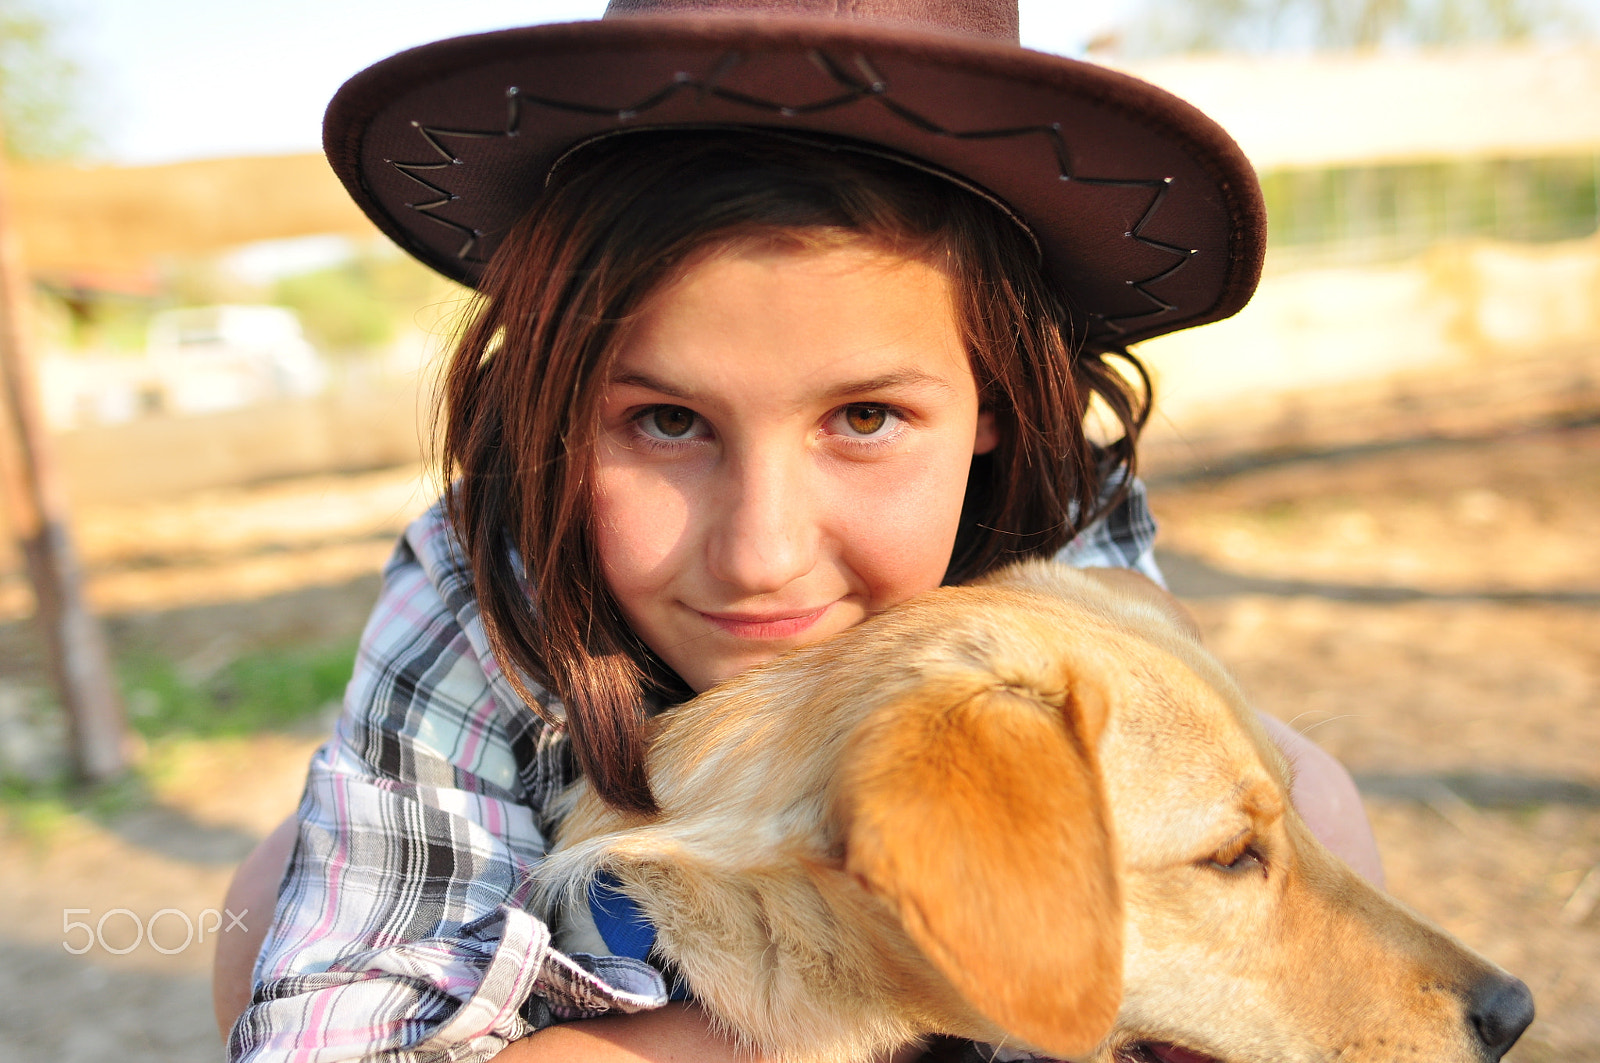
(1378,484)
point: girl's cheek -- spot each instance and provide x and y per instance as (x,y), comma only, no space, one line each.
(639,518)
(902,527)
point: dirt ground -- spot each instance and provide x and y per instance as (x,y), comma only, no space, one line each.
(1429,610)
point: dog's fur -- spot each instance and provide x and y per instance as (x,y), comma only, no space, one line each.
(1033,812)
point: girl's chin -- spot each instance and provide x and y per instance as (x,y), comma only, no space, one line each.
(719,648)
(708,673)
(714,667)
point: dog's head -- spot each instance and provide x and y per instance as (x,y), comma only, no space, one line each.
(1033,812)
(1107,738)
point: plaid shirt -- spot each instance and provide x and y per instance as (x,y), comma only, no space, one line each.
(403,929)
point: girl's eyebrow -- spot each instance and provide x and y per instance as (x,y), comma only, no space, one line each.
(909,377)
(648,383)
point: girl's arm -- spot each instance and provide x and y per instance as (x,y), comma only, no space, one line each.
(677,1033)
(402,925)
(1327,799)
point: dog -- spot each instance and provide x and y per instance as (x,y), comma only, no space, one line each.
(1031,812)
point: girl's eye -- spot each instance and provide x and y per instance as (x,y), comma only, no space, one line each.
(866,421)
(668,422)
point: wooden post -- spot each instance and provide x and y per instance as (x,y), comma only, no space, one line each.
(33,497)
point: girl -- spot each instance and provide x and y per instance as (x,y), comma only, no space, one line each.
(808,324)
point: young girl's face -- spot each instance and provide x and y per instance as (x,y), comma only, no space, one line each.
(784,445)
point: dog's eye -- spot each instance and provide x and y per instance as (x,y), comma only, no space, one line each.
(1239,856)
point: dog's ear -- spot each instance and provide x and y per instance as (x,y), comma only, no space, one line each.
(980,819)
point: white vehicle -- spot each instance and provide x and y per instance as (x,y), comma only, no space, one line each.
(211,358)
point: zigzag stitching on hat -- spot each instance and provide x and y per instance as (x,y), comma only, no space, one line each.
(872,86)
(878,89)
(431,135)
(517,99)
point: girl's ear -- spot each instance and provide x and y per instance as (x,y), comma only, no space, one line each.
(988,434)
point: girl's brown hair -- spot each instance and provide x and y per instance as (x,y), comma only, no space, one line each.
(617,220)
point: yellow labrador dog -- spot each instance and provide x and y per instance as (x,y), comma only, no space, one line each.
(1033,813)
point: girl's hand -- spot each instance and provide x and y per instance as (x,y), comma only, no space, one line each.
(677,1033)
(1327,799)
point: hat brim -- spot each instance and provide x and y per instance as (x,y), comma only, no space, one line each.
(1148,214)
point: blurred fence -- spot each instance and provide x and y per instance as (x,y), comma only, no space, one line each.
(1468,338)
(348,430)
(1355,214)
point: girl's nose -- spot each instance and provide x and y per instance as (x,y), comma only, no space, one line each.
(766,535)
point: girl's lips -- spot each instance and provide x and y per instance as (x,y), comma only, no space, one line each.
(760,627)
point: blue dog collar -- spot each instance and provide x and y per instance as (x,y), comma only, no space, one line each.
(623,926)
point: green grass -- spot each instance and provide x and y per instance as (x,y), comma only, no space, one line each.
(45,810)
(266,690)
(279,689)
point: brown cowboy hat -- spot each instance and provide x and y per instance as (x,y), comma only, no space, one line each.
(1147,213)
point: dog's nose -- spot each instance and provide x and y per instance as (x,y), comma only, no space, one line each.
(1502,1008)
